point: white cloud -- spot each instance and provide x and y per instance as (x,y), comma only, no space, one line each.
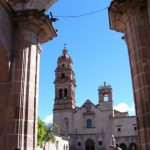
(48,119)
(123,107)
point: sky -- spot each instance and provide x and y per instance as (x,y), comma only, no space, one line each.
(98,53)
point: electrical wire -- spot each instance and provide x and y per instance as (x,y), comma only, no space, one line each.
(82,15)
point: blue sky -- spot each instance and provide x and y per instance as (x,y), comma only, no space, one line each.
(99,55)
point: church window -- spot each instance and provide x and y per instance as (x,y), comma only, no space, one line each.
(65,93)
(66,121)
(79,144)
(68,66)
(100,143)
(133,146)
(106,98)
(135,128)
(119,129)
(60,93)
(63,65)
(62,75)
(89,123)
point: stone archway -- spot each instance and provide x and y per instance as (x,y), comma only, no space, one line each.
(90,144)
(133,146)
(123,146)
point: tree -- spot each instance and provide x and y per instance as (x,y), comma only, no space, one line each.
(41,132)
(46,133)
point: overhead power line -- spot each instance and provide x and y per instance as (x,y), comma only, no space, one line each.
(82,15)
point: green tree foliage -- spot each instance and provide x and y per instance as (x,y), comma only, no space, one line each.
(41,132)
(46,133)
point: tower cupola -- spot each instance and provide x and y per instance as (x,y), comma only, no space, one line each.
(64,57)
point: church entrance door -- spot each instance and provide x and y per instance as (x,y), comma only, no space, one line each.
(90,145)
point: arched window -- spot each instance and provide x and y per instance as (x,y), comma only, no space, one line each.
(119,129)
(133,146)
(106,97)
(68,66)
(79,144)
(62,75)
(66,122)
(100,143)
(60,93)
(66,125)
(65,93)
(89,123)
(63,65)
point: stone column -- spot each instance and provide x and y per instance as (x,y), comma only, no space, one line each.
(31,28)
(25,75)
(131,18)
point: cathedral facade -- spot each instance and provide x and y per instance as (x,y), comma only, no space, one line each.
(90,127)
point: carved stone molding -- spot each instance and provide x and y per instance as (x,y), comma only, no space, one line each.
(35,21)
(119,10)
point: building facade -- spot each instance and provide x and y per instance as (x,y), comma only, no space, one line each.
(90,127)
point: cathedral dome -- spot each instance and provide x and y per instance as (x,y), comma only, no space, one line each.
(65,56)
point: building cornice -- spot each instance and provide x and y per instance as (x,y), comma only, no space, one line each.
(35,21)
(119,10)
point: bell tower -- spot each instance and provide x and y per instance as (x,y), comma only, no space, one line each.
(105,97)
(105,93)
(64,83)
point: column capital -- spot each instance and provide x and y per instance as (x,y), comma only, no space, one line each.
(36,22)
(120,9)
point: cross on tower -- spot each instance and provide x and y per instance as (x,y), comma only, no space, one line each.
(65,45)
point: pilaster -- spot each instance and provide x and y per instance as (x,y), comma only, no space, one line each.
(132,18)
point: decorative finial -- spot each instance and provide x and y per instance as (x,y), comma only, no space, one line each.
(65,49)
(65,46)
